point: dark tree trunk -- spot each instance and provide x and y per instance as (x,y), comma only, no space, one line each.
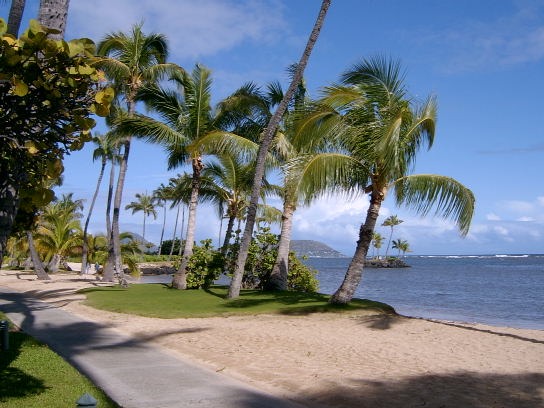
(355,270)
(174,234)
(53,14)
(36,261)
(228,233)
(180,278)
(16,11)
(9,203)
(110,197)
(270,131)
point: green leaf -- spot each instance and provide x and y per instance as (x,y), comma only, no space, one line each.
(20,89)
(3,27)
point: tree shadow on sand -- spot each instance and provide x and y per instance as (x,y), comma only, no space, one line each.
(459,390)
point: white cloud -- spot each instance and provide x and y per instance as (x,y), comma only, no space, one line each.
(525,219)
(194,29)
(492,217)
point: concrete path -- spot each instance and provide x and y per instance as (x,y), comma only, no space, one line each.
(131,372)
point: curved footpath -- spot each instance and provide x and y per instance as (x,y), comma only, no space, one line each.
(131,372)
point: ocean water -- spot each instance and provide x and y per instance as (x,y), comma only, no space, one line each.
(499,290)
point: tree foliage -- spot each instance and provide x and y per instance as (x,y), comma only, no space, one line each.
(48,92)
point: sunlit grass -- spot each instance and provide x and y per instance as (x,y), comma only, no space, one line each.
(156,300)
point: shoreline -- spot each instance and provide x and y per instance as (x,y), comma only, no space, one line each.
(325,360)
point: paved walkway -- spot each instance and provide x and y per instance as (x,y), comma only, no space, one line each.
(131,372)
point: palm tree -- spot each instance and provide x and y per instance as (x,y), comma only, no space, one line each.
(104,151)
(269,133)
(146,204)
(130,61)
(379,132)
(188,130)
(161,196)
(401,245)
(53,14)
(59,230)
(377,242)
(391,221)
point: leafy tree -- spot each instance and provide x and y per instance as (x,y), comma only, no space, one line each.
(378,132)
(391,221)
(131,61)
(146,204)
(269,133)
(48,92)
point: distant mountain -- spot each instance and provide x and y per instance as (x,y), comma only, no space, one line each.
(314,249)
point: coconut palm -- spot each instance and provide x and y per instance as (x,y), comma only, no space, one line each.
(188,129)
(146,204)
(16,10)
(268,135)
(105,151)
(391,221)
(162,196)
(59,231)
(131,61)
(378,131)
(401,245)
(377,242)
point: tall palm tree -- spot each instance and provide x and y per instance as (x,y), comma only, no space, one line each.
(130,60)
(53,14)
(187,129)
(105,151)
(391,221)
(377,242)
(269,133)
(379,132)
(162,196)
(146,204)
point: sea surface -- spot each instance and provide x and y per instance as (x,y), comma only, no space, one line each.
(498,290)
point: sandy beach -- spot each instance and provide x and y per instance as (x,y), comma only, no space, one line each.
(324,360)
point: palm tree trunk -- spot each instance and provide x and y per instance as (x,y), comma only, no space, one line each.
(270,131)
(389,242)
(110,196)
(180,278)
(181,245)
(114,262)
(354,273)
(280,271)
(54,263)
(143,230)
(163,227)
(228,234)
(15,16)
(53,14)
(38,266)
(174,234)
(85,249)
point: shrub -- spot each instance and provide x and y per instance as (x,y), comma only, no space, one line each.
(204,267)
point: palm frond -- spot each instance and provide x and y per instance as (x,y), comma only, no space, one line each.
(451,199)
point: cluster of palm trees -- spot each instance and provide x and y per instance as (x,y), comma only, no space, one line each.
(399,244)
(360,138)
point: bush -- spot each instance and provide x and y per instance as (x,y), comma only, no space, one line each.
(301,278)
(204,267)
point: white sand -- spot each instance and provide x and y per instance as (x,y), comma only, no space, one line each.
(325,360)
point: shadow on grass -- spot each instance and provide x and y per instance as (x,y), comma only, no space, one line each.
(14,382)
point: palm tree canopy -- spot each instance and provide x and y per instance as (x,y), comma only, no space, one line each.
(144,203)
(377,132)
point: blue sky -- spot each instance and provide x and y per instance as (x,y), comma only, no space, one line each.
(483,60)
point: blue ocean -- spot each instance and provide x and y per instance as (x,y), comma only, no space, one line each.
(499,290)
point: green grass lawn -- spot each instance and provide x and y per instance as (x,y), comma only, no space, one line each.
(33,376)
(157,300)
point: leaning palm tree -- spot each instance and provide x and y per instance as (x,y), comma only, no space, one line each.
(391,221)
(268,135)
(378,131)
(131,61)
(146,204)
